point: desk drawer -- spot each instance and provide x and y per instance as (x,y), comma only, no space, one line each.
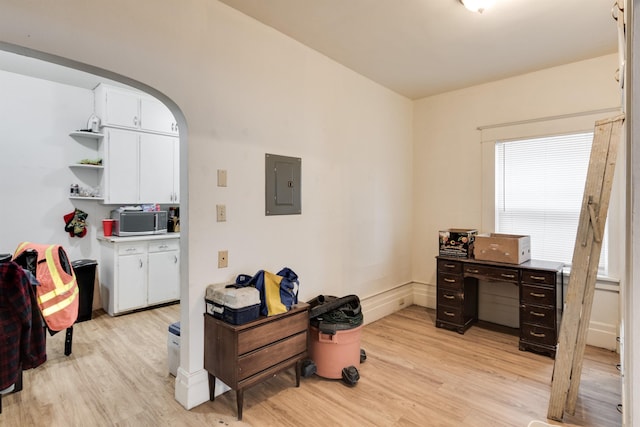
(450,297)
(445,266)
(492,273)
(264,358)
(539,277)
(538,315)
(450,314)
(538,295)
(538,334)
(267,333)
(452,281)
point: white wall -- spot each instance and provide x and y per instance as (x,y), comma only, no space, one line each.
(246,90)
(448,159)
(37,117)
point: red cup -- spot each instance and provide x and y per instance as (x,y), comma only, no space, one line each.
(107,227)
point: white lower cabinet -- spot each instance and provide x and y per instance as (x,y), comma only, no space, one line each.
(138,274)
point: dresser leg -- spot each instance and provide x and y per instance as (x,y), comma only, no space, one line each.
(212,387)
(240,401)
(298,372)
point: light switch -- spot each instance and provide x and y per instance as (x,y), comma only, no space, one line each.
(221,213)
(222,178)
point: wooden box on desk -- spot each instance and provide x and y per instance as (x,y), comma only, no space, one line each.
(507,248)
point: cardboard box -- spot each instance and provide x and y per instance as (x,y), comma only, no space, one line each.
(457,242)
(507,248)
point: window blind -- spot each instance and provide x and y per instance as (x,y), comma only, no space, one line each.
(539,185)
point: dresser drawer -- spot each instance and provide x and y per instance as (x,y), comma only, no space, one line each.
(452,281)
(538,315)
(446,266)
(538,295)
(450,297)
(450,314)
(275,330)
(537,277)
(492,273)
(538,334)
(264,358)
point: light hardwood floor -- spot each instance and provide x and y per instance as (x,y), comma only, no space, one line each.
(415,375)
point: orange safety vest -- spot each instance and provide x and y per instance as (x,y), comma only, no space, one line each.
(58,289)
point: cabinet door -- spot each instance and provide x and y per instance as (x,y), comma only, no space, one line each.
(121,167)
(157,117)
(121,109)
(132,282)
(164,277)
(156,168)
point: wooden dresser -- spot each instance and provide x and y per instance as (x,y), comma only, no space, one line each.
(242,356)
(540,285)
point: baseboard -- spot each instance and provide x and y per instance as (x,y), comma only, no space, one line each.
(192,388)
(377,306)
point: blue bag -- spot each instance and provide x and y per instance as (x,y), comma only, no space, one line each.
(278,292)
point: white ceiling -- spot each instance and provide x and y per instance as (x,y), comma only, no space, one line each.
(423,47)
(418,48)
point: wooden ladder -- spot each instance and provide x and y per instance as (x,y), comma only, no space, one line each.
(584,268)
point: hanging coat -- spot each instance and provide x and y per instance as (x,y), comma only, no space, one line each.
(58,290)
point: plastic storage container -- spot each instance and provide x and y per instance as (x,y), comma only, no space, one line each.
(85,270)
(233,305)
(173,348)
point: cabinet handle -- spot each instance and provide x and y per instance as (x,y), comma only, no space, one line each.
(135,120)
(533,294)
(537,335)
(450,314)
(537,277)
(163,246)
(175,259)
(130,249)
(450,265)
(449,296)
(449,280)
(472,270)
(508,276)
(535,313)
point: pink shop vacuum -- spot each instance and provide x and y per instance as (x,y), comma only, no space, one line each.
(334,338)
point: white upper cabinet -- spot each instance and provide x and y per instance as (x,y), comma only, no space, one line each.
(156,117)
(126,109)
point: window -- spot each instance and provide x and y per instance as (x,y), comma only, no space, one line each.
(539,185)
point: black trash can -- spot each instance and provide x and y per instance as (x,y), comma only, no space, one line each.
(85,270)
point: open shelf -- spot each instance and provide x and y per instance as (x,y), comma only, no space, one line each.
(83,166)
(86,134)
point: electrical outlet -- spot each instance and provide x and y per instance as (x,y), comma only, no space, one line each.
(222,178)
(223,259)
(221,213)
(401,302)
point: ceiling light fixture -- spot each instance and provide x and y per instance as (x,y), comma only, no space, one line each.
(477,5)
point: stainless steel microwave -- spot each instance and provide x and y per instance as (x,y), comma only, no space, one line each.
(136,223)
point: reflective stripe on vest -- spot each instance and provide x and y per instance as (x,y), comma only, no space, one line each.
(61,305)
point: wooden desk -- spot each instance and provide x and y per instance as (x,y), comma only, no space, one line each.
(540,285)
(245,355)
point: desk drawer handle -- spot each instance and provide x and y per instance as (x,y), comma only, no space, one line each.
(473,270)
(450,314)
(449,280)
(449,296)
(537,335)
(508,276)
(537,277)
(533,294)
(450,265)
(535,313)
